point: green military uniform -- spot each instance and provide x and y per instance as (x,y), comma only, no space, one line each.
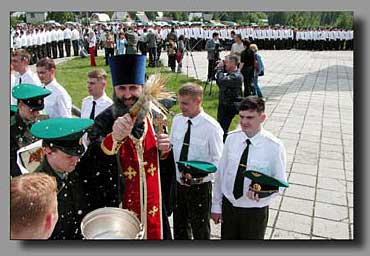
(65,134)
(20,136)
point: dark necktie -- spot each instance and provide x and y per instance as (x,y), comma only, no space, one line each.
(185,144)
(92,114)
(20,80)
(239,179)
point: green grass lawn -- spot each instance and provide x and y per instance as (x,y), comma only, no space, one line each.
(73,76)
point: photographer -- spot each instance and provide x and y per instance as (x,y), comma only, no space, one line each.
(230,82)
(213,54)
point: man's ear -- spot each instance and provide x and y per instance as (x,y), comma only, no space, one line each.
(263,117)
(48,222)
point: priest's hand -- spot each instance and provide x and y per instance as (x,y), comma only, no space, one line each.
(122,127)
(163,143)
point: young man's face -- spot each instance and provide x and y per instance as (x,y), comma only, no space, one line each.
(60,161)
(26,113)
(18,63)
(128,93)
(45,75)
(95,86)
(250,121)
(189,106)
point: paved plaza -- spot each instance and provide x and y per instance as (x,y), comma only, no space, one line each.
(310,107)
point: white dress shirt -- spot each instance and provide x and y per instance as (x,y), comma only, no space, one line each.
(28,77)
(87,103)
(102,103)
(59,102)
(206,137)
(266,154)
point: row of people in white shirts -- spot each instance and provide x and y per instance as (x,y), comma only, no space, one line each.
(256,33)
(34,37)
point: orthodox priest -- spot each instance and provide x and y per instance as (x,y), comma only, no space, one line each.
(130,153)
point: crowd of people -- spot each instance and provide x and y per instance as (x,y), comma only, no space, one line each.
(119,153)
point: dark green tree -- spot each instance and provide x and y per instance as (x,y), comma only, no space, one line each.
(61,17)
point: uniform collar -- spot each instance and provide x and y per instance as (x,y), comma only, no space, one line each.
(256,139)
(196,120)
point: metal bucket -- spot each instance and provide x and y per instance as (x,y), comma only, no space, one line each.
(111,223)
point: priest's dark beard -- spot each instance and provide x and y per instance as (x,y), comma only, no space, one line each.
(119,109)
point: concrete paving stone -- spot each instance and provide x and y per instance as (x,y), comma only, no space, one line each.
(331,173)
(331,184)
(350,186)
(294,222)
(299,191)
(351,215)
(308,169)
(348,165)
(310,138)
(348,157)
(330,147)
(302,179)
(272,217)
(332,141)
(332,229)
(295,205)
(268,233)
(349,175)
(303,160)
(350,199)
(287,235)
(330,134)
(331,163)
(276,202)
(332,212)
(331,155)
(332,197)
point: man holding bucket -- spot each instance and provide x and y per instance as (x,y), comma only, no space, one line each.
(131,154)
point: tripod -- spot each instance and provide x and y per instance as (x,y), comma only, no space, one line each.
(190,52)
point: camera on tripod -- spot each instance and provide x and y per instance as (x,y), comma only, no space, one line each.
(217,51)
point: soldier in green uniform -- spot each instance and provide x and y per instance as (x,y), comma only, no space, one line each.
(62,152)
(30,101)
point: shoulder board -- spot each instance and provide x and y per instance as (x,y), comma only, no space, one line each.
(234,131)
(271,137)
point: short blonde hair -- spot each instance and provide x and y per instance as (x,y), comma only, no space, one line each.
(99,74)
(192,89)
(31,197)
(253,47)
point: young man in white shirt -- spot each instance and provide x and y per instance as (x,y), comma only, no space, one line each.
(204,143)
(97,101)
(243,213)
(20,62)
(59,102)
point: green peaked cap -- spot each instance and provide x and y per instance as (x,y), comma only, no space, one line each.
(29,91)
(197,168)
(61,128)
(260,177)
(13,108)
(63,133)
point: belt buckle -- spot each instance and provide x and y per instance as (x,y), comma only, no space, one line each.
(186,178)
